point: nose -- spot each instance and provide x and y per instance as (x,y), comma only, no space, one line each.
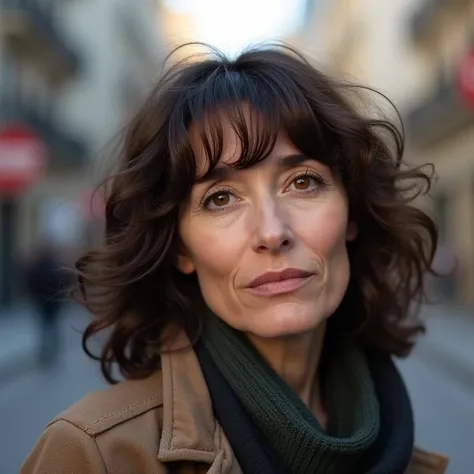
(272,232)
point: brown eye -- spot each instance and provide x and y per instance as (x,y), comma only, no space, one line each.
(307,183)
(302,183)
(220,199)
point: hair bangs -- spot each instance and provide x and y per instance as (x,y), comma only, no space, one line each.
(230,102)
(258,107)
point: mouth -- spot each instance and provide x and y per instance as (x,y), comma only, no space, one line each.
(277,283)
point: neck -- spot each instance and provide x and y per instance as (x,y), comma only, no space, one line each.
(296,360)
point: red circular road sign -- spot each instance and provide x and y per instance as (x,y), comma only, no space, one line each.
(22,158)
(465,78)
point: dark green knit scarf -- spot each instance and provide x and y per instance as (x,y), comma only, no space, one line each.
(286,423)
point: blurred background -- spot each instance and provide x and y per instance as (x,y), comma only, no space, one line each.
(71,74)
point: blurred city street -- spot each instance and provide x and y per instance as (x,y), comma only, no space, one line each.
(441,384)
(31,395)
(73,74)
(440,378)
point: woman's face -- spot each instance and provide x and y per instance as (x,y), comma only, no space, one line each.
(268,243)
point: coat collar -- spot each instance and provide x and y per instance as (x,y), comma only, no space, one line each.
(190,431)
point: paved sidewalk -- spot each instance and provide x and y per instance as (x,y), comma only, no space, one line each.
(18,340)
(19,337)
(449,342)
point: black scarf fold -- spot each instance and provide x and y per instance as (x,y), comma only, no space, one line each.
(248,444)
(390,453)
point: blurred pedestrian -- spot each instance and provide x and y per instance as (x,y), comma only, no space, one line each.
(255,280)
(445,264)
(47,282)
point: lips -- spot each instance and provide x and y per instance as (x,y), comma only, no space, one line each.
(273,277)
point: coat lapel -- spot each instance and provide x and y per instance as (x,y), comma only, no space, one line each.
(190,431)
(427,462)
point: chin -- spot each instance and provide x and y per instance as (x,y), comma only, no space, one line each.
(287,321)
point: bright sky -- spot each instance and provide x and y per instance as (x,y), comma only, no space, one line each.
(231,25)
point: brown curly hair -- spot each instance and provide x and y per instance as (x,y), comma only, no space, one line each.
(131,283)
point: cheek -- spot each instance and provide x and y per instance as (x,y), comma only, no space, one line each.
(216,252)
(214,249)
(326,237)
(326,231)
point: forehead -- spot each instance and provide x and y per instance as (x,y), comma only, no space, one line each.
(225,138)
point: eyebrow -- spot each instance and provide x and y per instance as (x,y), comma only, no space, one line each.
(225,172)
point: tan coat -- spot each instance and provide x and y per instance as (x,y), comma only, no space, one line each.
(158,425)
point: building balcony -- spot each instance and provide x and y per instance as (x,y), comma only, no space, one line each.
(29,30)
(65,150)
(443,113)
(423,22)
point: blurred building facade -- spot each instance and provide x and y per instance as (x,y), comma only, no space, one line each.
(71,73)
(420,54)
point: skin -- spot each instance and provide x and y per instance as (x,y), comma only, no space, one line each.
(268,218)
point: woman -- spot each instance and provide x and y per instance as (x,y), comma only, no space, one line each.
(260,259)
